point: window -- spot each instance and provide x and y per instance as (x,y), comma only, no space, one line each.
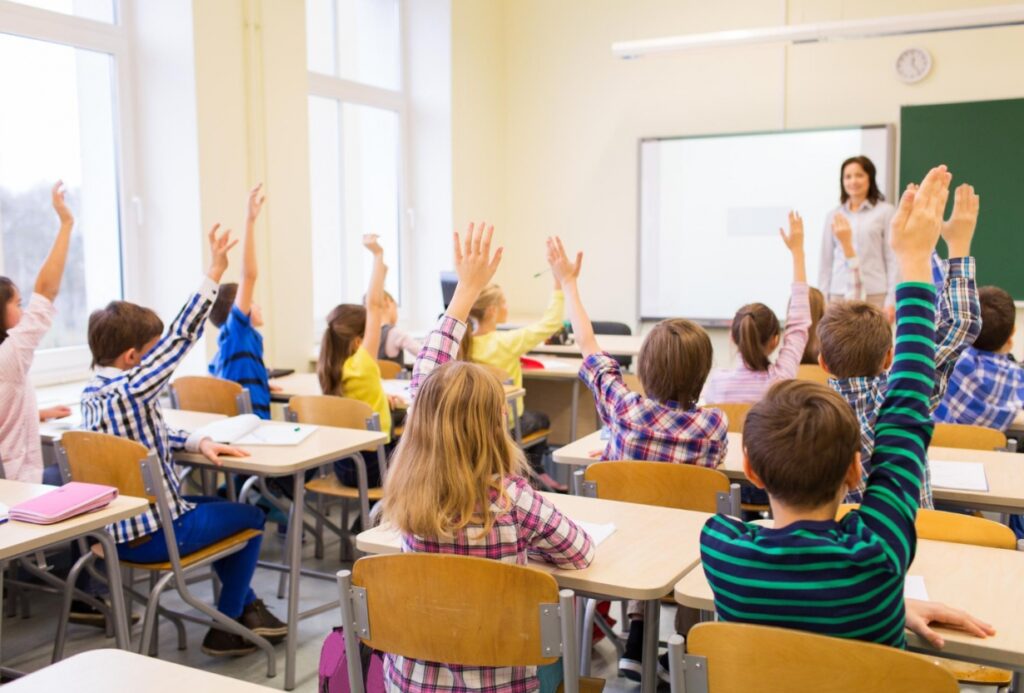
(61,120)
(356,125)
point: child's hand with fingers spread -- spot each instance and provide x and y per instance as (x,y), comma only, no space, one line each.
(795,239)
(958,230)
(220,244)
(212,451)
(917,223)
(371,242)
(256,200)
(474,264)
(60,206)
(843,233)
(562,268)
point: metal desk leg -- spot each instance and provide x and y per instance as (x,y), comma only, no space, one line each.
(649,674)
(118,608)
(575,409)
(295,526)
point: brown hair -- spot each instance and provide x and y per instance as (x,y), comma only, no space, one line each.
(222,306)
(817,300)
(454,455)
(674,361)
(854,338)
(489,297)
(118,327)
(752,329)
(344,324)
(801,439)
(874,194)
(998,315)
(7,291)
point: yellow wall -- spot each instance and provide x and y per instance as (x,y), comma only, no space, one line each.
(562,139)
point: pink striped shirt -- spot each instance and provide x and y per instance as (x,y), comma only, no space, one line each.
(742,384)
(20,451)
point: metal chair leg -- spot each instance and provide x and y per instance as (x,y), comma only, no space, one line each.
(65,610)
(586,646)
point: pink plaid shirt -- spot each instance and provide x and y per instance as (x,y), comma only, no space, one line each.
(526,525)
(646,429)
(742,384)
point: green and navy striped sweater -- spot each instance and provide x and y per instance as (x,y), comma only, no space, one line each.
(843,578)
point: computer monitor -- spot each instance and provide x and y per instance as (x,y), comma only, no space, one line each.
(449,280)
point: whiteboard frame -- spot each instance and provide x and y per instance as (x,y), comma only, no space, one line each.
(890,176)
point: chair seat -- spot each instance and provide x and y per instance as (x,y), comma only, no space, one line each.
(536,437)
(587,685)
(330,486)
(968,672)
(196,556)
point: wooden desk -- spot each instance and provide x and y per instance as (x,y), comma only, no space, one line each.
(649,551)
(116,671)
(1004,470)
(614,344)
(18,538)
(556,390)
(982,581)
(325,444)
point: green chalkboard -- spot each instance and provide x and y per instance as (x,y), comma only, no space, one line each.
(982,142)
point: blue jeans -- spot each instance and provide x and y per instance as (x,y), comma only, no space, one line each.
(212,519)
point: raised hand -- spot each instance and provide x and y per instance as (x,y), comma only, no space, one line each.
(562,268)
(256,200)
(958,230)
(844,234)
(475,267)
(60,206)
(916,225)
(795,239)
(371,242)
(220,244)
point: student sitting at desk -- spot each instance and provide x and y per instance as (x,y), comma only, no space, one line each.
(458,481)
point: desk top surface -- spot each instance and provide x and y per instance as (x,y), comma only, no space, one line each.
(614,344)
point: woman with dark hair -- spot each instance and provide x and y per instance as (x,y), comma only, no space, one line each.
(864,206)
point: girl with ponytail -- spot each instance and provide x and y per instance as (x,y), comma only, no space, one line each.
(756,334)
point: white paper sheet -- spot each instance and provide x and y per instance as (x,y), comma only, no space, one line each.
(961,476)
(277,434)
(597,531)
(555,364)
(397,388)
(914,588)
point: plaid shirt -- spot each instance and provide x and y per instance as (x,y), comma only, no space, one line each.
(126,404)
(986,389)
(958,323)
(526,525)
(646,429)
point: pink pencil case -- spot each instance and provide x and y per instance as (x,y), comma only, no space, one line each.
(69,500)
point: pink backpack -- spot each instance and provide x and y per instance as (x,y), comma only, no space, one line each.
(334,666)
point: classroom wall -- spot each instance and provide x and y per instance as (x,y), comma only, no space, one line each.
(562,140)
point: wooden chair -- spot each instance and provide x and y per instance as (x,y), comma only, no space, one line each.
(340,412)
(211,395)
(439,608)
(726,657)
(736,412)
(98,458)
(812,372)
(967,437)
(389,370)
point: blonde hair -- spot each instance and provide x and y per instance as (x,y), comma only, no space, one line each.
(453,456)
(491,296)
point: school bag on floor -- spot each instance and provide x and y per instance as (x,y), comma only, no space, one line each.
(334,666)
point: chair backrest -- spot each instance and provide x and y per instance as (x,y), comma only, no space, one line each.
(389,370)
(736,412)
(207,394)
(329,410)
(968,437)
(812,372)
(957,529)
(740,656)
(99,458)
(682,486)
(438,619)
(618,328)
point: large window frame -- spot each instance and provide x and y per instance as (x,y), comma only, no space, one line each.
(65,364)
(350,92)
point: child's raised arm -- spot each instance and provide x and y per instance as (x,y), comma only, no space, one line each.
(374,296)
(566,273)
(48,279)
(249,272)
(958,230)
(795,242)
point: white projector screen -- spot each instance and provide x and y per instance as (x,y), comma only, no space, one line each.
(711,208)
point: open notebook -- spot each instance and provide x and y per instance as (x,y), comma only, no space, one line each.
(249,429)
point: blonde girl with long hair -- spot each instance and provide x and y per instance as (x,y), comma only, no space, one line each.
(457,482)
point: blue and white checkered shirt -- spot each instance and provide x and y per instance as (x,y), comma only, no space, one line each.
(126,404)
(958,322)
(986,389)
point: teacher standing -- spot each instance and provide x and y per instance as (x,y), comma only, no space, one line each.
(863,204)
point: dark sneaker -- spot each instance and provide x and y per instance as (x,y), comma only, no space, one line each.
(220,643)
(85,615)
(259,620)
(631,662)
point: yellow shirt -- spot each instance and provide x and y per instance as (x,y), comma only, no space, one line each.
(502,348)
(360,379)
